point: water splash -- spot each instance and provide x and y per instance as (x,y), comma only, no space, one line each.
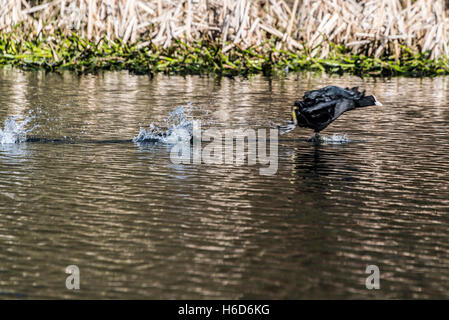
(334,139)
(286,128)
(14,130)
(178,127)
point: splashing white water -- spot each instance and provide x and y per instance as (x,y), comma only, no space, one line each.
(334,139)
(337,138)
(286,128)
(179,127)
(14,130)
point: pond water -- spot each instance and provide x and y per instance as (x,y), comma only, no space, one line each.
(140,226)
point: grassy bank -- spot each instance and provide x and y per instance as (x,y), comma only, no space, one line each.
(75,53)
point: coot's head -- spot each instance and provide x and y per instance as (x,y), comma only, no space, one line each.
(367,101)
(376,102)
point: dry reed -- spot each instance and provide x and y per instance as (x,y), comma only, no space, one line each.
(376,28)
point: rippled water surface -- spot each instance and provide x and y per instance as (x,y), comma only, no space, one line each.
(139,226)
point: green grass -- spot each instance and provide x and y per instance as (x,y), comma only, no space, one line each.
(71,52)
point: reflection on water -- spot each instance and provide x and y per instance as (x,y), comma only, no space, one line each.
(139,226)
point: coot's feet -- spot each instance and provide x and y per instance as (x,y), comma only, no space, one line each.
(316,138)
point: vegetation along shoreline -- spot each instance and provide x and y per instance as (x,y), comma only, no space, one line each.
(230,38)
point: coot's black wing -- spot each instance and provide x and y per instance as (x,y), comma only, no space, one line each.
(331,93)
(321,107)
(320,115)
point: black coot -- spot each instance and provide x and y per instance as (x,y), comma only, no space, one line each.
(321,107)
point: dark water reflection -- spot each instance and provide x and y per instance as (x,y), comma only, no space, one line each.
(139,226)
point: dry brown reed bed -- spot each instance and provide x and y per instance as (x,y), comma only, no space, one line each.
(376,28)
